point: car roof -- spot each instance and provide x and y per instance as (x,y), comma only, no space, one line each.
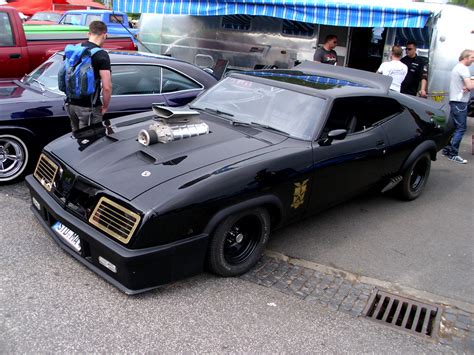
(325,80)
(129,57)
(94,12)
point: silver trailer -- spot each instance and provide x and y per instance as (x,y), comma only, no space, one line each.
(242,41)
(252,42)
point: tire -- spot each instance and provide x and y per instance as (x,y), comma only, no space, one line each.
(415,178)
(239,242)
(14,158)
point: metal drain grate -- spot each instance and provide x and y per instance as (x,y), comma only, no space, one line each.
(403,313)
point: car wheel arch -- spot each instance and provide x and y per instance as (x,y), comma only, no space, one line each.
(22,131)
(270,202)
(426,146)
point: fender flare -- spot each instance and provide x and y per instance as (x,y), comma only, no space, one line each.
(248,204)
(426,146)
(9,129)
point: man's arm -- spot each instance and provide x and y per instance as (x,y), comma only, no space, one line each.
(468,84)
(106,80)
(424,79)
(424,84)
(318,55)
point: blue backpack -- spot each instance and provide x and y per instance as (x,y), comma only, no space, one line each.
(76,76)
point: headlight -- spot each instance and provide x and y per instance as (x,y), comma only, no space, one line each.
(115,220)
(45,172)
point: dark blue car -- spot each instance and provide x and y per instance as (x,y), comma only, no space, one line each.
(32,112)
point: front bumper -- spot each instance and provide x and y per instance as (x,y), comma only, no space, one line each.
(137,270)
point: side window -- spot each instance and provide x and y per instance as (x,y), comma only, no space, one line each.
(295,28)
(356,114)
(173,81)
(6,34)
(72,19)
(236,22)
(116,18)
(136,79)
(90,18)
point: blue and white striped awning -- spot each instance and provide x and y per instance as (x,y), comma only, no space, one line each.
(336,13)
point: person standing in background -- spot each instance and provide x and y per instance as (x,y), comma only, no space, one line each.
(326,54)
(394,68)
(417,71)
(460,86)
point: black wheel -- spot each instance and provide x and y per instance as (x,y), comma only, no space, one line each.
(415,178)
(14,158)
(238,242)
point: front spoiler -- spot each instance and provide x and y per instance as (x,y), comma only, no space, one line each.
(138,270)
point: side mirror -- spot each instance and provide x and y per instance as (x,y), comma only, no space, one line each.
(335,134)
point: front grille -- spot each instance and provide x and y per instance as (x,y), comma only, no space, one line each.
(114,219)
(46,171)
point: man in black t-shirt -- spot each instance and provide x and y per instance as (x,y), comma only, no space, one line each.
(89,110)
(326,54)
(417,71)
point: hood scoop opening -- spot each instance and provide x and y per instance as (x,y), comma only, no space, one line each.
(175,161)
(172,123)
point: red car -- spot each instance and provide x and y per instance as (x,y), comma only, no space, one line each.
(20,54)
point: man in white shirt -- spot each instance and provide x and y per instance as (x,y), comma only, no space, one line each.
(460,86)
(394,68)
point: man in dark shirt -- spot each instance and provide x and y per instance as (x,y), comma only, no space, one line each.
(417,71)
(89,110)
(326,54)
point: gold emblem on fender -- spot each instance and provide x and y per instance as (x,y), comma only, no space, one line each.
(298,194)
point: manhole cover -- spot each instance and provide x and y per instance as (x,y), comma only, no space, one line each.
(403,313)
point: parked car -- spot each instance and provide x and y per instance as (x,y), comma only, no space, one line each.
(117,22)
(32,113)
(257,151)
(22,52)
(45,18)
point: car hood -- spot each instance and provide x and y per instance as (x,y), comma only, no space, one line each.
(11,93)
(21,102)
(127,168)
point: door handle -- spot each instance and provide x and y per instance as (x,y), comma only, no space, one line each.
(380,143)
(15,55)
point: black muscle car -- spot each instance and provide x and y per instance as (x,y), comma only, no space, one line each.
(32,109)
(172,191)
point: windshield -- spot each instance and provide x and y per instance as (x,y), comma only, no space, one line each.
(46,16)
(46,75)
(247,102)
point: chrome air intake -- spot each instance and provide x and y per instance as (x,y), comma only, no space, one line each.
(172,124)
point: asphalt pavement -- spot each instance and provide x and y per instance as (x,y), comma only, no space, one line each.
(426,244)
(51,303)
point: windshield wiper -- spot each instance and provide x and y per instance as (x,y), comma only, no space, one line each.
(217,111)
(261,125)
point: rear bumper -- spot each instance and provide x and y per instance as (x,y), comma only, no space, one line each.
(137,270)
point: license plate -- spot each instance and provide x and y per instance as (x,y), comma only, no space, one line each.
(71,238)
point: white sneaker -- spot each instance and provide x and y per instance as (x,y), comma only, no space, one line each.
(458,159)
